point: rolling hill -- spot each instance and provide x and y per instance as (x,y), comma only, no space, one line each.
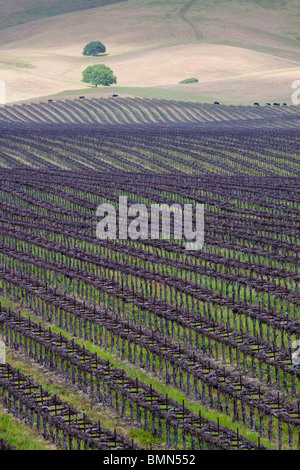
(239,50)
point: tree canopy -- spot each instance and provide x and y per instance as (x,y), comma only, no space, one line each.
(94,48)
(99,75)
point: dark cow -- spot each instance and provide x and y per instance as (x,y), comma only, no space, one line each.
(256,104)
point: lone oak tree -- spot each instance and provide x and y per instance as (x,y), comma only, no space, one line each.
(98,75)
(94,48)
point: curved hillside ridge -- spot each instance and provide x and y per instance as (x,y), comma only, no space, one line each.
(143,111)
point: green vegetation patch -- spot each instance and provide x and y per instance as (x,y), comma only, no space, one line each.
(22,437)
(189,80)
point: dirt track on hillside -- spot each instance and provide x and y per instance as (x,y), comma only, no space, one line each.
(182,12)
